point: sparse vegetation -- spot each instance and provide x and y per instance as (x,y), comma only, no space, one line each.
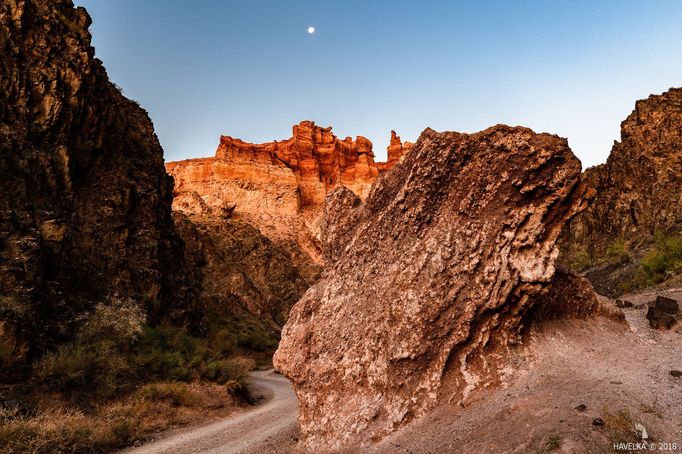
(120,378)
(664,261)
(619,426)
(553,443)
(619,251)
(581,260)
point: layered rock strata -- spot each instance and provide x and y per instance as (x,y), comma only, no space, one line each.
(270,181)
(429,282)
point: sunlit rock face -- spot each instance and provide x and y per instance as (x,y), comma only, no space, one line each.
(429,282)
(286,177)
(279,187)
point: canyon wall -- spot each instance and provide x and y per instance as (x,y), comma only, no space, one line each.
(250,216)
(267,183)
(429,282)
(639,193)
(639,188)
(85,202)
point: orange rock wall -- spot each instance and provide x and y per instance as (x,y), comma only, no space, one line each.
(287,176)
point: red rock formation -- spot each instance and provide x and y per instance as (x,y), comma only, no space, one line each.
(396,150)
(429,282)
(284,177)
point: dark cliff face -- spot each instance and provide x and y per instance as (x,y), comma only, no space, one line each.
(639,195)
(85,202)
(639,188)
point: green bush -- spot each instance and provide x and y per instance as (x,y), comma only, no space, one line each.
(119,321)
(619,251)
(166,353)
(175,393)
(664,261)
(80,369)
(257,341)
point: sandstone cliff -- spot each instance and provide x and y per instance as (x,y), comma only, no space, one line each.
(269,184)
(639,190)
(430,282)
(85,202)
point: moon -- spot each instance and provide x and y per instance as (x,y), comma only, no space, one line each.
(311,30)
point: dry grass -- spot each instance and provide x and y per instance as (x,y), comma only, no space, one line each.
(152,408)
(620,426)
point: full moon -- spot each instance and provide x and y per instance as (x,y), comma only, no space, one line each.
(311,30)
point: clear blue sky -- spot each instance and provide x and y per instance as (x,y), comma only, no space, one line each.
(250,70)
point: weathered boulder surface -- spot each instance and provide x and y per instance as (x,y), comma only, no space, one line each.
(663,313)
(639,188)
(85,202)
(429,282)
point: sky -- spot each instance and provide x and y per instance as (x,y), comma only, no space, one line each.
(249,69)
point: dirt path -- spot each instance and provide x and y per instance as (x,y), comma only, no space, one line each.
(270,427)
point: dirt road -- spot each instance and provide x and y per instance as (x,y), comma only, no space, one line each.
(269,427)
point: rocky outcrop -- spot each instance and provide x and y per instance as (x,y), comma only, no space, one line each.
(639,188)
(288,179)
(429,282)
(85,202)
(396,150)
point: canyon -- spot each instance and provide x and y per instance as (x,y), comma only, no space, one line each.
(430,290)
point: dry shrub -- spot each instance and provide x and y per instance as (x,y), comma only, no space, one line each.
(178,394)
(120,320)
(620,426)
(229,370)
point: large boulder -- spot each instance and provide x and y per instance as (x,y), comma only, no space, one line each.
(429,282)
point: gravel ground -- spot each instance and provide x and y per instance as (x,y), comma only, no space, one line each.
(612,370)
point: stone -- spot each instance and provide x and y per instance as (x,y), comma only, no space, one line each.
(676,373)
(667,305)
(598,422)
(429,282)
(623,304)
(581,408)
(659,319)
